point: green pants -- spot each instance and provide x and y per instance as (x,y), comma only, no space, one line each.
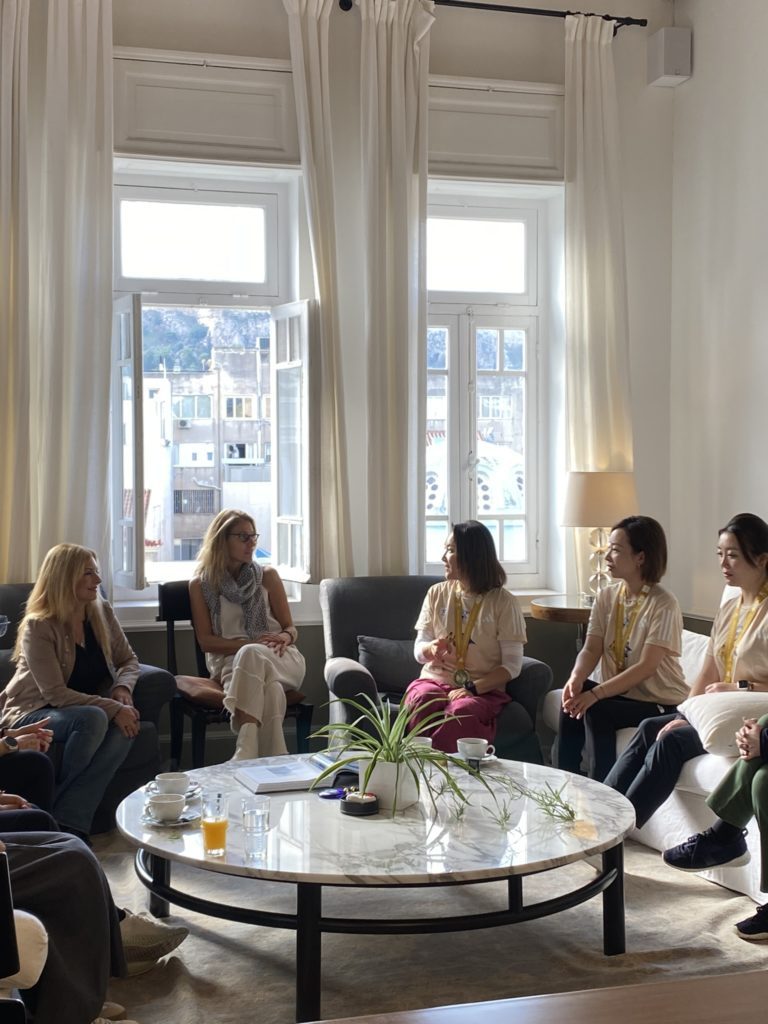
(742,794)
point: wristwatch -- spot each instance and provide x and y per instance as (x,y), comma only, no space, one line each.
(470,687)
(744,684)
(10,743)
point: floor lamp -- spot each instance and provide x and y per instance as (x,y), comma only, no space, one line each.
(594,502)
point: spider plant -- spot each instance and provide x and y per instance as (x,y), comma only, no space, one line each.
(378,734)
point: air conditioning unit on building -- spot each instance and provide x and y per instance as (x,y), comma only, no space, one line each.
(183,424)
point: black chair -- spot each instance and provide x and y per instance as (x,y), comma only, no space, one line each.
(201,698)
(368,624)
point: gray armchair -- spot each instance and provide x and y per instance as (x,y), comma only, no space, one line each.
(154,689)
(368,624)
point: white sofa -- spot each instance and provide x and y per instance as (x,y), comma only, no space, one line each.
(686,811)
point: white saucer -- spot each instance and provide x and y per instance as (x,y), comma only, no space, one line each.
(187,816)
(194,790)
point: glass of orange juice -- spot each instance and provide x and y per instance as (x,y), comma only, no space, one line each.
(215,821)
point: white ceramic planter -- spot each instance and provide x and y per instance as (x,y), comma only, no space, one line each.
(389,781)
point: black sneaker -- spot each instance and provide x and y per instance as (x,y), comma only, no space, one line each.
(755,928)
(706,850)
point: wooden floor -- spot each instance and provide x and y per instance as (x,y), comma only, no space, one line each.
(726,999)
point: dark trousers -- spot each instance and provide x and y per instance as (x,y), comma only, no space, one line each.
(595,733)
(28,774)
(647,771)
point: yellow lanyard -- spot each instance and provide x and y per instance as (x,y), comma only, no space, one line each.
(625,624)
(735,634)
(461,638)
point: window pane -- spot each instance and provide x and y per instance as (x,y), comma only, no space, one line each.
(475,255)
(197,461)
(437,348)
(514,350)
(487,349)
(500,482)
(437,531)
(512,534)
(289,418)
(191,241)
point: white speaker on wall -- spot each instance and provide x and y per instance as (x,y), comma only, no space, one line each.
(669,56)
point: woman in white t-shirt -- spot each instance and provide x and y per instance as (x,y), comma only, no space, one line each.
(243,624)
(469,638)
(737,659)
(635,634)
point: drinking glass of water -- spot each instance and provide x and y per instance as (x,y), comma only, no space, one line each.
(255,811)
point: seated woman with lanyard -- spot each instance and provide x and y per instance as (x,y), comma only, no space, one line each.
(737,659)
(470,637)
(635,634)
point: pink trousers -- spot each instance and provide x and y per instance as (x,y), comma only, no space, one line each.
(475,715)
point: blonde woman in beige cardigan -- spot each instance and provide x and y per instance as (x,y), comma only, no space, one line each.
(76,669)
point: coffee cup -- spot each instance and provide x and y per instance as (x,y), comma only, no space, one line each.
(421,741)
(166,806)
(473,748)
(172,782)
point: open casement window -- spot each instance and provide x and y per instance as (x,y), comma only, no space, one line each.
(293,434)
(127,445)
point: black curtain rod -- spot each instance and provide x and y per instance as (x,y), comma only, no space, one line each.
(346,5)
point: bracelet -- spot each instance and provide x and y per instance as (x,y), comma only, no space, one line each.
(292,632)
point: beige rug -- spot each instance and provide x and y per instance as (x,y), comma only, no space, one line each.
(677,926)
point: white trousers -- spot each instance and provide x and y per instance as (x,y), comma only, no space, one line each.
(255,680)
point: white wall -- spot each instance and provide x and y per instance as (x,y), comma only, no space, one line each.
(720,304)
(479,45)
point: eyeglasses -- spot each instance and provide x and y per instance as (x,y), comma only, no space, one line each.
(246,538)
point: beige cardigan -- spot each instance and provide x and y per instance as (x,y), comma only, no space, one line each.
(46,662)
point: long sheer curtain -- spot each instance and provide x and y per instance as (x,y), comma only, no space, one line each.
(56,412)
(394,64)
(597,333)
(308,22)
(14,293)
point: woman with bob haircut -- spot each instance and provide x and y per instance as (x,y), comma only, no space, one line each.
(469,638)
(243,624)
(736,660)
(75,673)
(635,634)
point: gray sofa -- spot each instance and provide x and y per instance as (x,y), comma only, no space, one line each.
(368,624)
(154,689)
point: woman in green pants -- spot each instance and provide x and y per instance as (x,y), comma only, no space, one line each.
(742,794)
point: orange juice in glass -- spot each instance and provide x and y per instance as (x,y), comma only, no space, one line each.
(214,823)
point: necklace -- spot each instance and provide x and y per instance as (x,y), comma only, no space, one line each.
(625,622)
(728,650)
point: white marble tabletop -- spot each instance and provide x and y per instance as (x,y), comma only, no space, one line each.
(310,840)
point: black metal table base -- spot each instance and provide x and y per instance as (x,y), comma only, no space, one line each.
(309,924)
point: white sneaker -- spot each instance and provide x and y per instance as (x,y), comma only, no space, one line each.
(146,940)
(112,1011)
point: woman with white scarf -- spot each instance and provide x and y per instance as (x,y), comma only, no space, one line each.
(243,624)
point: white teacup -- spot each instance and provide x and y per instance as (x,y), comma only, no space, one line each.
(166,806)
(422,741)
(172,782)
(474,748)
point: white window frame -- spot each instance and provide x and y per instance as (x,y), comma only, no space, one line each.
(461,312)
(130,581)
(268,201)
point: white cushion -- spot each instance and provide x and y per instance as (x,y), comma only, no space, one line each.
(716,717)
(32,943)
(693,653)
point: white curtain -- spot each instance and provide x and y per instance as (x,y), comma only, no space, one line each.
(14,294)
(394,64)
(308,22)
(597,335)
(59,341)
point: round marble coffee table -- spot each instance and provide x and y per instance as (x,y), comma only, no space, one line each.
(311,844)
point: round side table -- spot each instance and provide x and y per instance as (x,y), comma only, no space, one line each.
(563,608)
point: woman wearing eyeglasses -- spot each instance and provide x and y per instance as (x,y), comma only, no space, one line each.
(243,624)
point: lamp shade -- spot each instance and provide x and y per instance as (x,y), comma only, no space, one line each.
(599,499)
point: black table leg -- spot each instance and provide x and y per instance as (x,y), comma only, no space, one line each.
(614,936)
(308,951)
(515,891)
(161,874)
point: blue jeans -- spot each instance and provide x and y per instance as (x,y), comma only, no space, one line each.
(94,749)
